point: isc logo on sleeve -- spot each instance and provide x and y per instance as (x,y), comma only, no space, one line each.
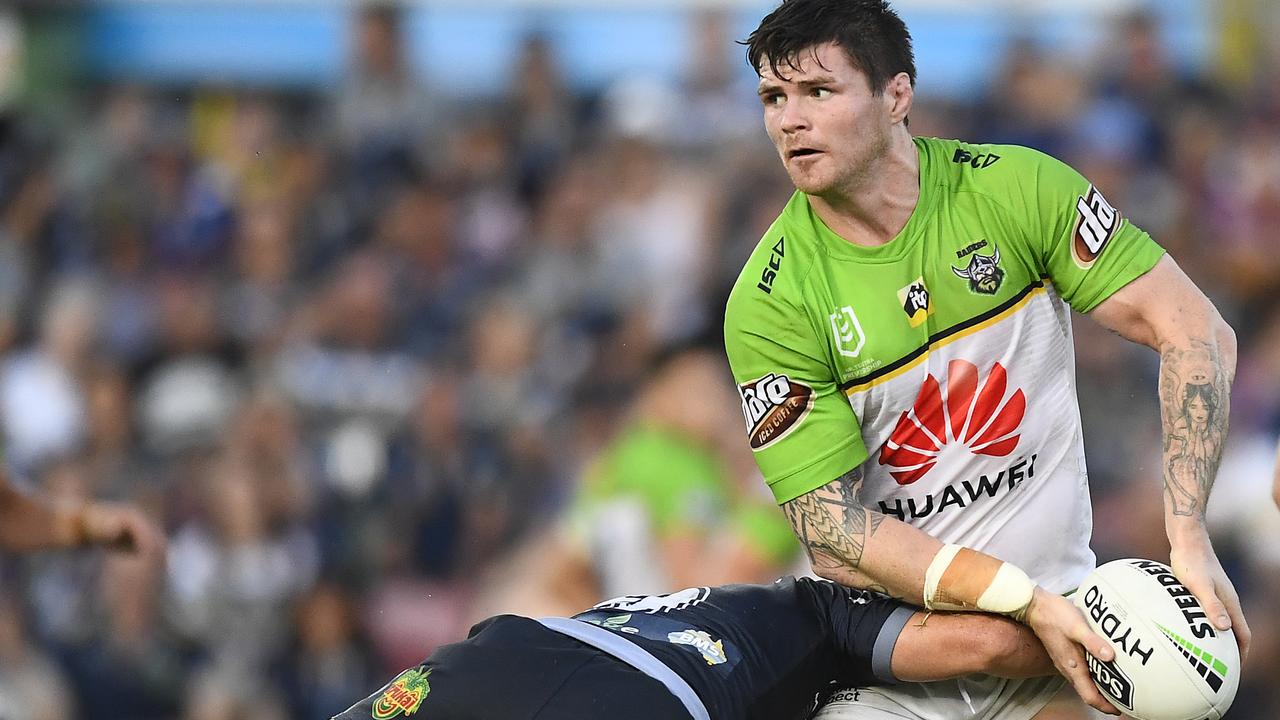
(1096,224)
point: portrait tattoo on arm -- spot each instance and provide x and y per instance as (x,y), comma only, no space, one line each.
(832,524)
(1195,397)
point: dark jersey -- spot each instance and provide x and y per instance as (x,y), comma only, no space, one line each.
(762,651)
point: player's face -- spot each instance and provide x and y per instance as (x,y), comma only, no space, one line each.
(825,122)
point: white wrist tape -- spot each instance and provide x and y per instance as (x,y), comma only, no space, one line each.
(965,580)
(933,576)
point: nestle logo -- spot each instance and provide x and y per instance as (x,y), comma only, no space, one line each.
(982,418)
(772,405)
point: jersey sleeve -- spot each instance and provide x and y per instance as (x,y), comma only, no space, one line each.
(1087,247)
(800,427)
(865,628)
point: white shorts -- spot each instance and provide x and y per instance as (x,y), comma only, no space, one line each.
(975,697)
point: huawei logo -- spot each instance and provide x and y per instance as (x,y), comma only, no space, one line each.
(981,418)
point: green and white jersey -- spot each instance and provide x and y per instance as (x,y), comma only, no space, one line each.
(941,361)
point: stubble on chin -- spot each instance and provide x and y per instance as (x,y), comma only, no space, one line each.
(809,183)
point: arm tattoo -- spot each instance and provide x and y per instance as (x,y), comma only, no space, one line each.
(832,524)
(1195,397)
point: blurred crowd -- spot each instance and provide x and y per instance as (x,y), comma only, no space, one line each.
(381,361)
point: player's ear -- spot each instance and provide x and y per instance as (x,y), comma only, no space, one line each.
(898,96)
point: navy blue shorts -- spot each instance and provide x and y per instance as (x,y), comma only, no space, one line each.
(513,668)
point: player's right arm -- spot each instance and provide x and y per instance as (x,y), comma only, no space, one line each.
(807,443)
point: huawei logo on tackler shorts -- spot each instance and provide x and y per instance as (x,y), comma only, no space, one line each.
(983,418)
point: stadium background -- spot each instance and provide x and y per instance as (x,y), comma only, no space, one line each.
(397,318)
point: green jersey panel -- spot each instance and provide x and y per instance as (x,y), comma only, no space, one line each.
(799,423)
(1070,225)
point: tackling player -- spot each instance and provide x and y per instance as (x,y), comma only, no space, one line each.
(735,652)
(902,342)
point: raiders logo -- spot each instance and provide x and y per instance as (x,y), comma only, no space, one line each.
(983,273)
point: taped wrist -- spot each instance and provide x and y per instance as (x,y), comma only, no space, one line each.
(966,580)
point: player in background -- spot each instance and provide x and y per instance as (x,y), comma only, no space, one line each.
(669,501)
(29,522)
(901,337)
(735,652)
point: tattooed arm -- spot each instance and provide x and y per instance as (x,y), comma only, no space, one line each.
(1164,310)
(1195,394)
(835,529)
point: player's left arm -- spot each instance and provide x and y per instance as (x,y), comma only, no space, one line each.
(1164,310)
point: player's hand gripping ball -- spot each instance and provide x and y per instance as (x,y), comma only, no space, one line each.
(1171,662)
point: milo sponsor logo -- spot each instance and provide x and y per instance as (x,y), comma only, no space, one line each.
(772,406)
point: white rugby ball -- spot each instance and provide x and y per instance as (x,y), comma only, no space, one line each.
(1171,662)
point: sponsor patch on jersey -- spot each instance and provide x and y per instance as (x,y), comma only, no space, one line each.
(916,302)
(403,696)
(712,650)
(962,494)
(983,417)
(772,406)
(983,272)
(1096,224)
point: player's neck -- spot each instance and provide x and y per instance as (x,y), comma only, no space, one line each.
(876,205)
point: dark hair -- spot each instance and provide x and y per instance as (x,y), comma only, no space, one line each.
(871,34)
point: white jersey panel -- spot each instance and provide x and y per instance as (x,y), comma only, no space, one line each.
(979,443)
